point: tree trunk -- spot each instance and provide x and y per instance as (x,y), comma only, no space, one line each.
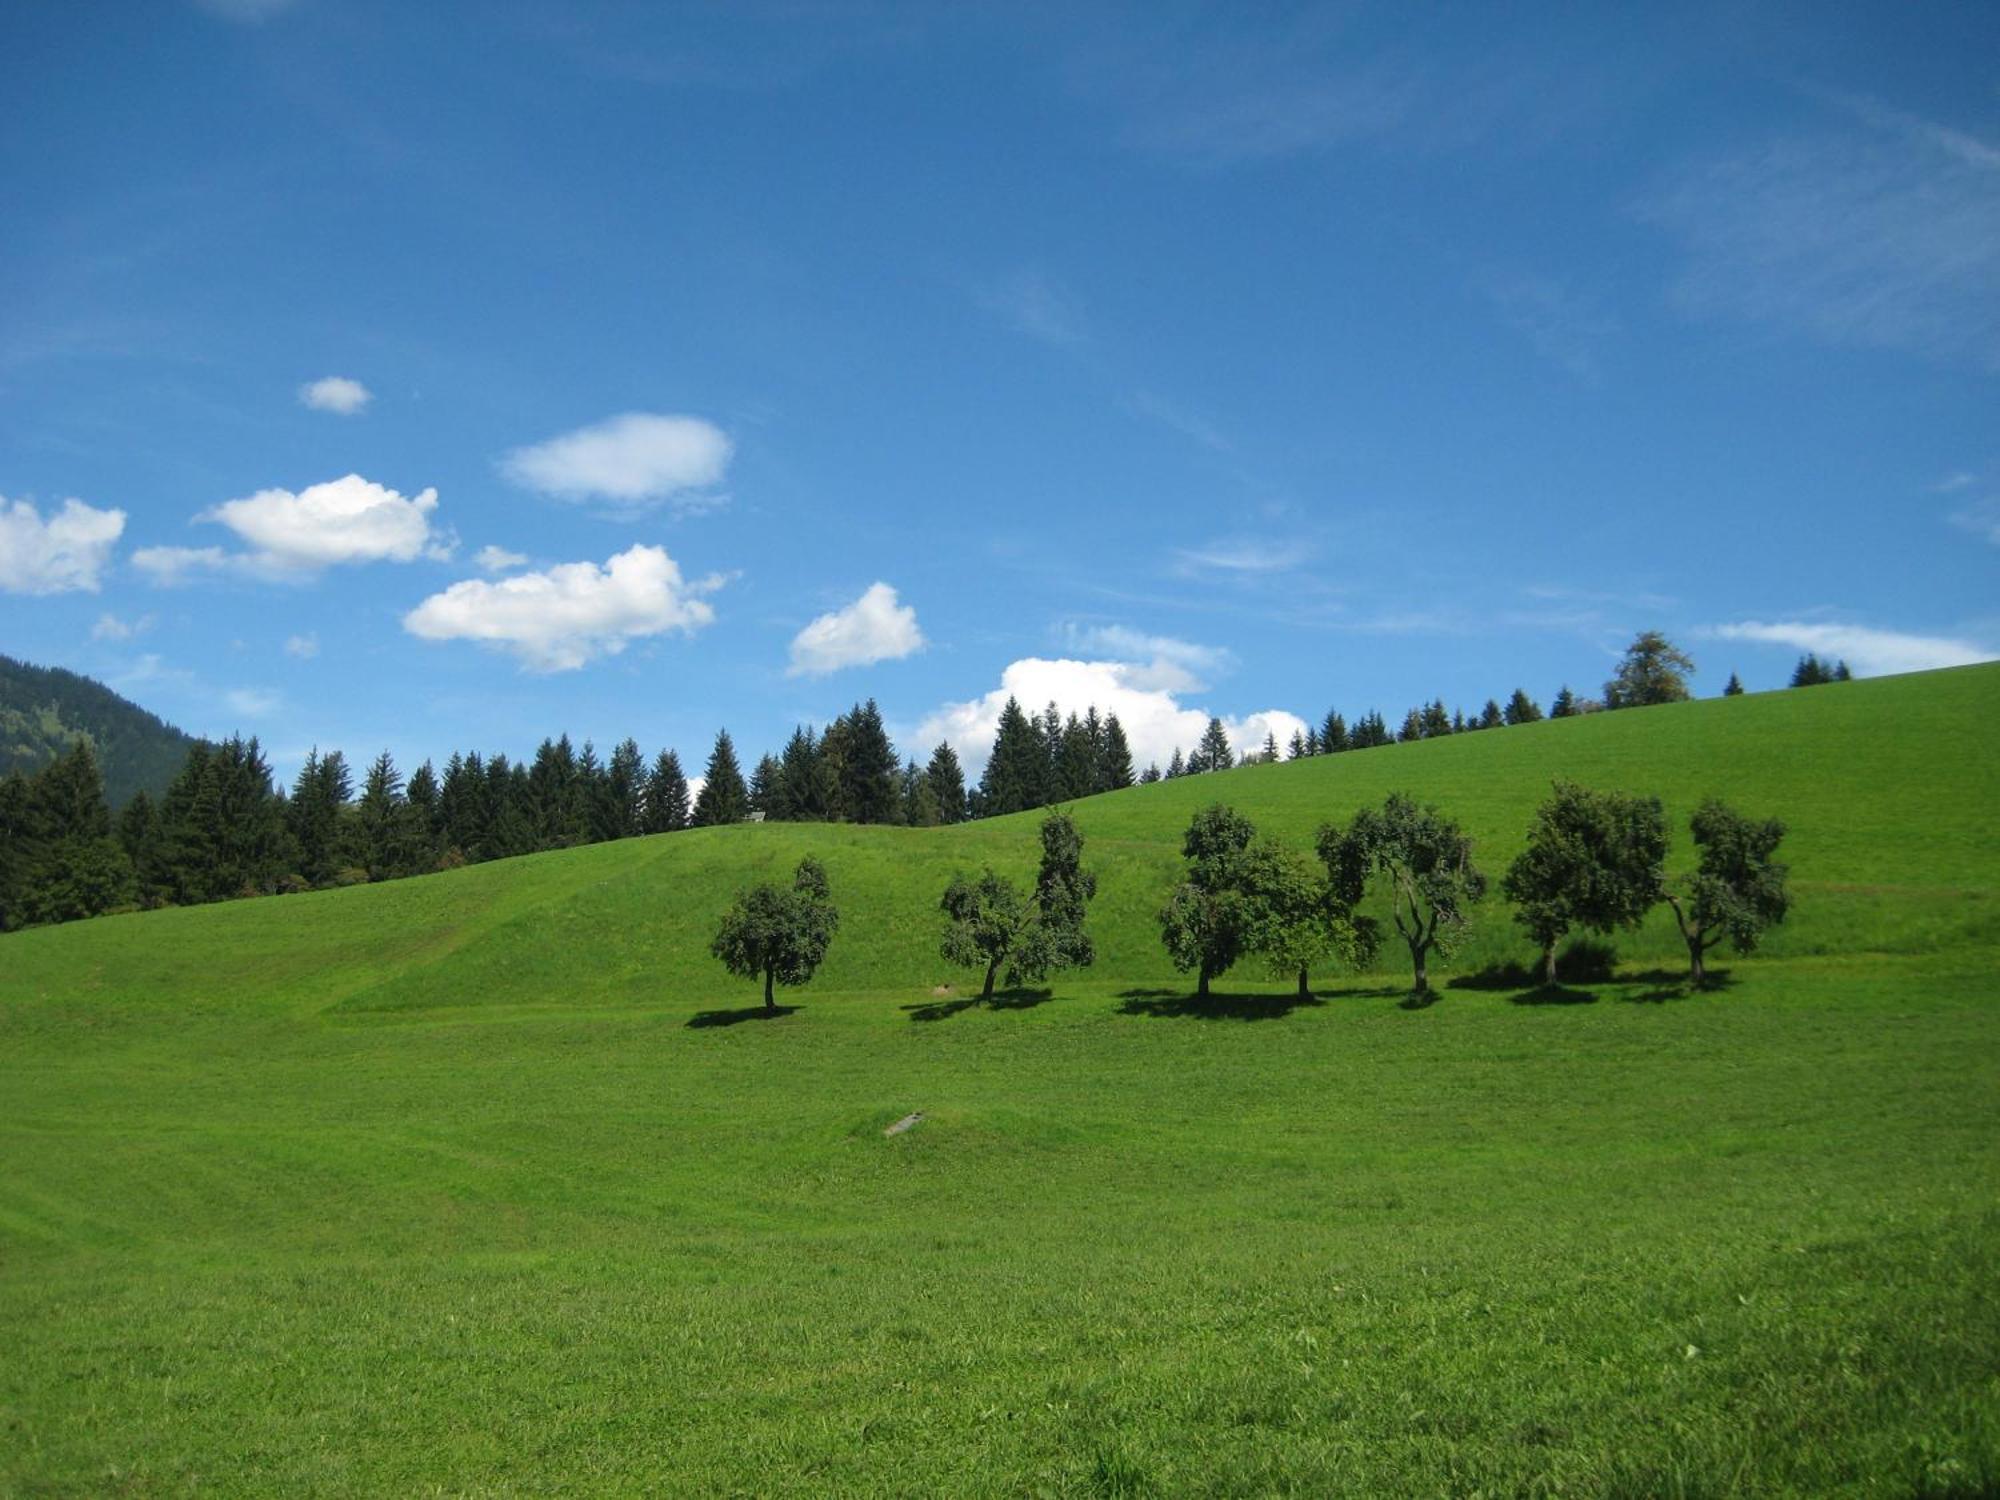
(1549,966)
(770,1003)
(1201,985)
(1419,951)
(1697,969)
(1305,984)
(991,969)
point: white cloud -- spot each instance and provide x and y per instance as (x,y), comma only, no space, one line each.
(560,618)
(630,460)
(1566,327)
(1870,652)
(1156,661)
(64,553)
(169,567)
(304,647)
(337,394)
(873,628)
(346,520)
(110,628)
(1155,721)
(493,559)
(1951,484)
(1242,555)
(253,703)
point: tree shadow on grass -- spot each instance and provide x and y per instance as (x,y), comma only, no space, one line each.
(701,1020)
(1017,997)
(1554,994)
(1212,1007)
(1673,984)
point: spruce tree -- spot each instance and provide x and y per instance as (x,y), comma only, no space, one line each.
(666,795)
(1017,773)
(1565,705)
(1076,763)
(1214,749)
(1491,716)
(766,783)
(947,779)
(1733,688)
(627,788)
(1521,709)
(1151,774)
(1333,734)
(1116,762)
(724,798)
(1176,765)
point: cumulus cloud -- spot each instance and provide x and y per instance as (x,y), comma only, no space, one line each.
(562,617)
(337,394)
(1155,721)
(493,559)
(873,628)
(64,553)
(1869,652)
(347,520)
(635,459)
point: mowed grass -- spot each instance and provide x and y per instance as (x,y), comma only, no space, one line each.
(493,1183)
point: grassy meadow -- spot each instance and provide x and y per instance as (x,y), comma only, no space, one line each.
(493,1183)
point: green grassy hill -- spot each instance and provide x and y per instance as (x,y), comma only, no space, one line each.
(474,1184)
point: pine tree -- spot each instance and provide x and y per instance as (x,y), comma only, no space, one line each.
(947,779)
(1413,727)
(1116,761)
(1521,709)
(319,800)
(1017,773)
(1176,767)
(1269,755)
(868,769)
(1733,688)
(381,821)
(627,788)
(766,783)
(1565,705)
(724,798)
(426,818)
(1151,774)
(1076,763)
(1333,734)
(666,795)
(1436,722)
(800,796)
(1297,749)
(1491,717)
(1214,749)
(596,813)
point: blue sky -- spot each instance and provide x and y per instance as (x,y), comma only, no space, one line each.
(433,377)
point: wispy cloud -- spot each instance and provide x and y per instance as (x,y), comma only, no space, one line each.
(1199,429)
(1981,518)
(1566,327)
(492,559)
(1870,652)
(1157,662)
(1242,556)
(1881,230)
(631,461)
(1031,303)
(304,647)
(110,627)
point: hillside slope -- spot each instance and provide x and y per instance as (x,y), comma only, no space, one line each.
(1888,788)
(44,710)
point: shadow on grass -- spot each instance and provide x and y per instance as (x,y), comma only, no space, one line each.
(1673,984)
(1016,998)
(1213,1007)
(1582,962)
(703,1019)
(1545,994)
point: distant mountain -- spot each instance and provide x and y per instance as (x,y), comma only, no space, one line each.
(44,710)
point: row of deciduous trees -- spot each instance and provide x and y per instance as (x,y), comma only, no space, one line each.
(1594,861)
